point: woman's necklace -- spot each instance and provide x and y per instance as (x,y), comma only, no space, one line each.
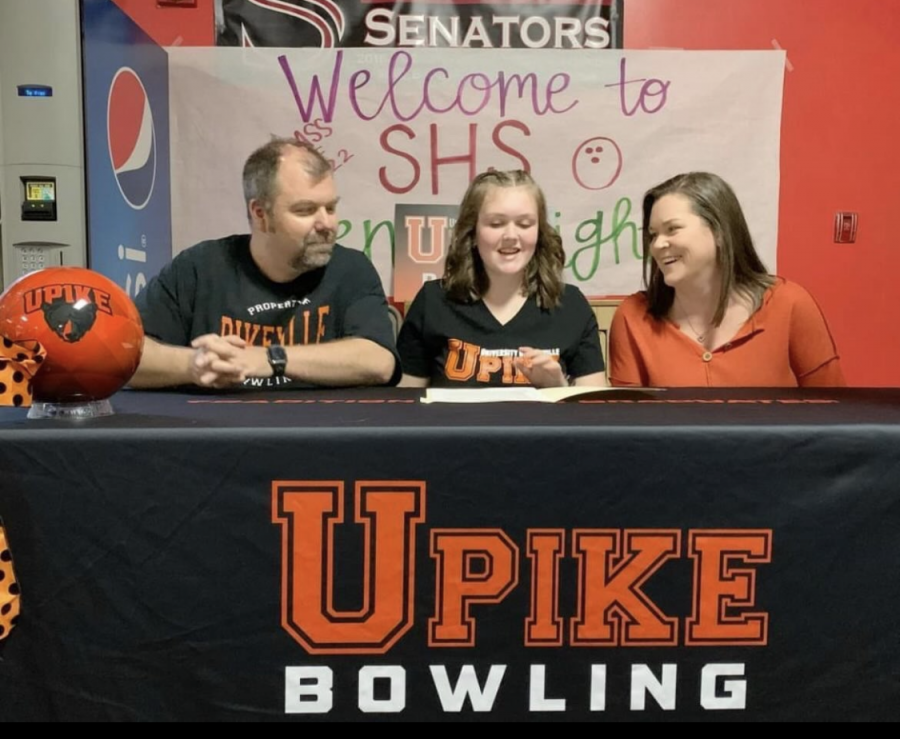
(700,337)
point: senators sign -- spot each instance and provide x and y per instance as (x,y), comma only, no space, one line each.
(500,24)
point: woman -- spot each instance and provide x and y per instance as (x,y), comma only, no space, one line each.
(501,315)
(712,315)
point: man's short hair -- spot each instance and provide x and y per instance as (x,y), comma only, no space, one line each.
(261,168)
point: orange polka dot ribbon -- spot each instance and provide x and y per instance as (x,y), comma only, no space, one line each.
(18,365)
(9,589)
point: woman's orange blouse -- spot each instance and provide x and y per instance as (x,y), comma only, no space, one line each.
(786,343)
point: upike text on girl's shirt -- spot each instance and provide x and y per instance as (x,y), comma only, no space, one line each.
(466,362)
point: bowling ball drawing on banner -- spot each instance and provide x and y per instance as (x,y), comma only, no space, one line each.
(89,326)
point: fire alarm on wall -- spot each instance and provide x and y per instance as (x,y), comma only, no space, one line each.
(845,227)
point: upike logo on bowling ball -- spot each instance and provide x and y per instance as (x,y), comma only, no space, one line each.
(69,310)
(70,321)
(131,135)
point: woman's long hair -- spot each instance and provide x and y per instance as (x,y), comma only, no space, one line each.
(465,278)
(713,200)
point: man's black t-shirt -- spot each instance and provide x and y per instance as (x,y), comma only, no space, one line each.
(215,287)
(454,343)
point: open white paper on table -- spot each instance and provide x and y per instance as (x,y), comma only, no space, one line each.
(526,394)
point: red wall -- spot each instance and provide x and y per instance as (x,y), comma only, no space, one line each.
(173,26)
(838,150)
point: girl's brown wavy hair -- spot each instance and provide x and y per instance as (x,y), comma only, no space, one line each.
(465,279)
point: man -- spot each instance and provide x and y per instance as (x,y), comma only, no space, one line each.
(284,306)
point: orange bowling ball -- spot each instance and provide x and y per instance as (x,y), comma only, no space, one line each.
(89,326)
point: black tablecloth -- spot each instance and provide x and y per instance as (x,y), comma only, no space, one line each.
(358,555)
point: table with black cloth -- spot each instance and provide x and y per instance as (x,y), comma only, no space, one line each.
(358,555)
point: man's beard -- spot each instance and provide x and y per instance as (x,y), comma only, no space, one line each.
(316,253)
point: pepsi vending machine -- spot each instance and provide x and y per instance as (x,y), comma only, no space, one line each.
(42,214)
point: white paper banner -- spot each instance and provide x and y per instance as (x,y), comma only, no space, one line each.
(410,127)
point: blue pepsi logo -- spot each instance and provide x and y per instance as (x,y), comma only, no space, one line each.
(132,138)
